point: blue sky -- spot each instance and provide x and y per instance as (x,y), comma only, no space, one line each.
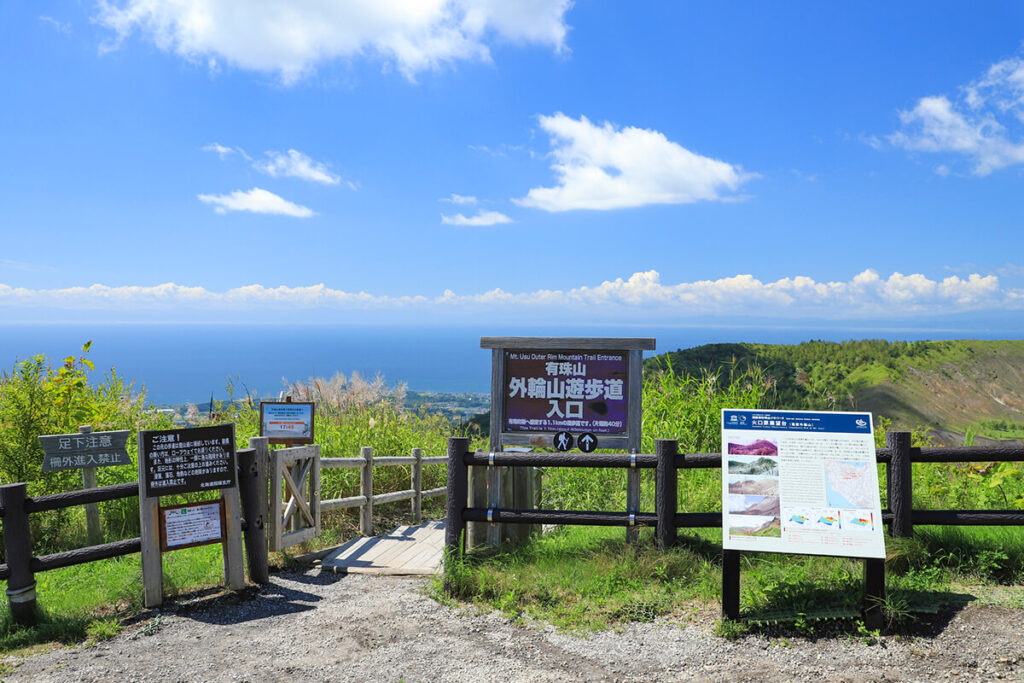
(433,161)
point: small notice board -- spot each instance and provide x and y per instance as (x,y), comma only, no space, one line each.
(800,482)
(85,449)
(286,422)
(189,460)
(191,524)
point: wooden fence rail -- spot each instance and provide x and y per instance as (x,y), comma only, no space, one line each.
(367,499)
(898,457)
(253,477)
(21,566)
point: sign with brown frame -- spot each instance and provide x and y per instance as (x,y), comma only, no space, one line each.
(284,422)
(544,386)
(192,524)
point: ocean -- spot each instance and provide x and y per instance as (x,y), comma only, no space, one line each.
(179,363)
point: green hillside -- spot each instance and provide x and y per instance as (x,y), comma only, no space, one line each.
(949,386)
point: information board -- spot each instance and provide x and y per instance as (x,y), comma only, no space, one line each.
(566,390)
(188,460)
(192,524)
(800,482)
(81,450)
(287,422)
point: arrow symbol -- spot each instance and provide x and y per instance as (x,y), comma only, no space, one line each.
(587,439)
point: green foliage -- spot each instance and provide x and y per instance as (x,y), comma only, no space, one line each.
(38,398)
(813,375)
(675,406)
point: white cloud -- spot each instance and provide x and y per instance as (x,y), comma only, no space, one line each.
(295,164)
(985,124)
(292,38)
(481,218)
(58,26)
(222,151)
(866,294)
(256,200)
(459,199)
(606,167)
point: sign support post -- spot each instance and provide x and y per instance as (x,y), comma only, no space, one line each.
(152,560)
(92,510)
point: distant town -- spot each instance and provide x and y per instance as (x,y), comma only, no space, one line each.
(459,407)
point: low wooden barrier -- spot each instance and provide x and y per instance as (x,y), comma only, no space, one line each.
(366,500)
(898,457)
(21,566)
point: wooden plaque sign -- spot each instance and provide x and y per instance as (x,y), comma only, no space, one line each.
(188,460)
(287,423)
(191,524)
(543,386)
(81,450)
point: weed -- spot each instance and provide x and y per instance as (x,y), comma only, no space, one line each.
(730,629)
(103,629)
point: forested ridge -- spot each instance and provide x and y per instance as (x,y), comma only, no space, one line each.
(940,384)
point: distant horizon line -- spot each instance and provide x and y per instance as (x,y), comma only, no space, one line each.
(465,325)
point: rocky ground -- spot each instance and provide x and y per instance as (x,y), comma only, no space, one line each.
(313,625)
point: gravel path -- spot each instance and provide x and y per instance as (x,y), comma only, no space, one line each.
(317,626)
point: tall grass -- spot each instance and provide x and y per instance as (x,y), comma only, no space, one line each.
(675,406)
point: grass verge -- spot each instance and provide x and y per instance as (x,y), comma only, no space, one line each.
(587,578)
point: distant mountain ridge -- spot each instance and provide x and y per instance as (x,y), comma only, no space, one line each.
(952,387)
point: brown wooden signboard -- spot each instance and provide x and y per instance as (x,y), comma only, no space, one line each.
(543,386)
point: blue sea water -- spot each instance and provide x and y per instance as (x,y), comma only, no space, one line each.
(178,363)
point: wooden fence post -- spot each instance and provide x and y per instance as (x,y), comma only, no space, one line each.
(21,584)
(252,476)
(417,486)
(366,484)
(92,510)
(665,487)
(476,532)
(495,487)
(901,488)
(632,498)
(458,485)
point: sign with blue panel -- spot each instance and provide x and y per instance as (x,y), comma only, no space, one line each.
(800,482)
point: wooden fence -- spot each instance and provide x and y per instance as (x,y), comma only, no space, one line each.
(366,498)
(898,458)
(21,565)
(253,477)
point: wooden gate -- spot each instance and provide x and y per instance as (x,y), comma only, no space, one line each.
(294,496)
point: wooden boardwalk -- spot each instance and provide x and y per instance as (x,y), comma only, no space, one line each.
(404,550)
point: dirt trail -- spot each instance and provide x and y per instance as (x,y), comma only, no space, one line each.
(318,626)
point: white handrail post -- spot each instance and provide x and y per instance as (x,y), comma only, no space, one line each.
(366,484)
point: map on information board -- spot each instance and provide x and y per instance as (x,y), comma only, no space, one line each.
(800,482)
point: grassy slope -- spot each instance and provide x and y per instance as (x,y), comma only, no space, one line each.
(948,385)
(955,386)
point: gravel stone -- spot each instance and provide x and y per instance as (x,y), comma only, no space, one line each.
(317,626)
